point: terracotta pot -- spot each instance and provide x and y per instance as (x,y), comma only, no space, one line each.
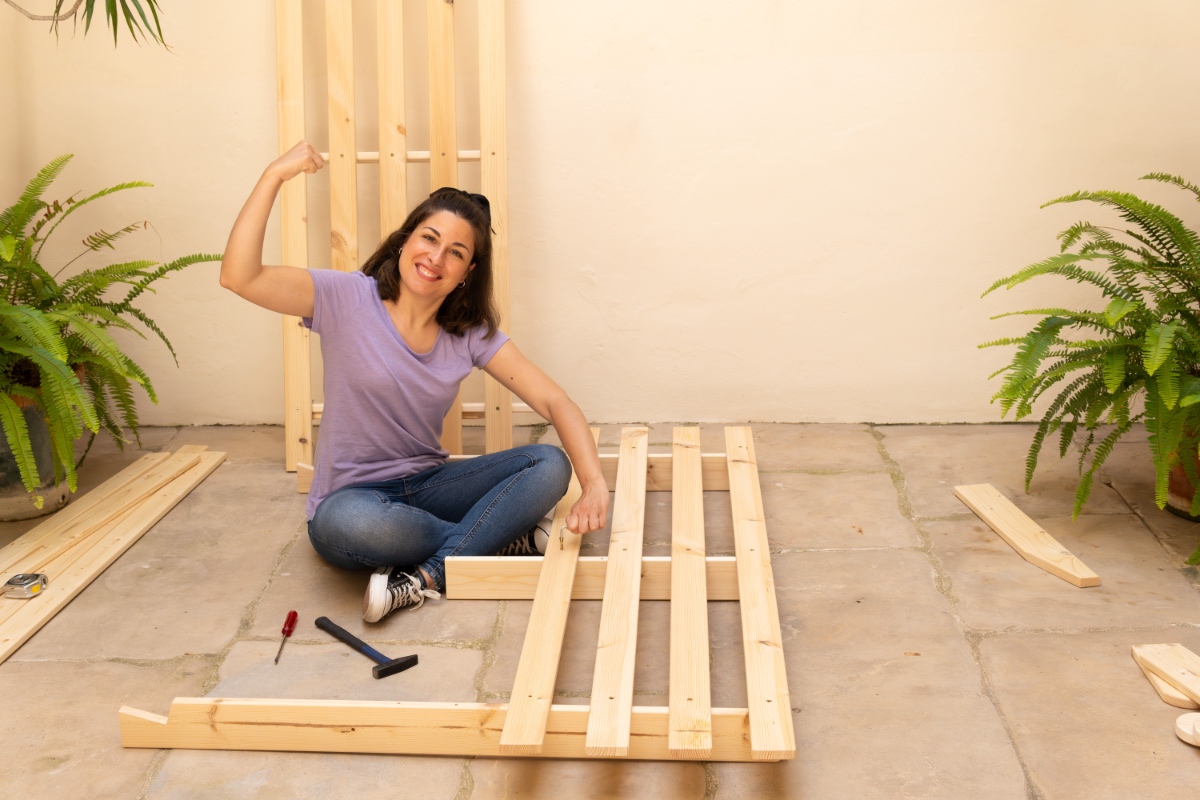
(1180,490)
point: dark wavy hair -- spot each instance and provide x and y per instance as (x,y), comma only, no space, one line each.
(465,308)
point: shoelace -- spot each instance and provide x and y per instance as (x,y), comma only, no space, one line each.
(521,547)
(411,593)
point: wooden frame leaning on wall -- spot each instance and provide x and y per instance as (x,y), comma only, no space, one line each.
(530,724)
(392,158)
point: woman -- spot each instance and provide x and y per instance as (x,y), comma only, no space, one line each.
(397,339)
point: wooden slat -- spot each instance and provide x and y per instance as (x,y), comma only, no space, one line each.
(304,477)
(1169,694)
(34,556)
(612,682)
(293,226)
(77,512)
(393,131)
(1024,535)
(690,698)
(396,727)
(516,577)
(771,733)
(494,178)
(1174,663)
(414,156)
(97,554)
(343,165)
(443,148)
(533,687)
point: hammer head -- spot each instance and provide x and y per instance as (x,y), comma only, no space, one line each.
(394,666)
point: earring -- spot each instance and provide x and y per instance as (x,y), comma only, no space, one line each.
(461,285)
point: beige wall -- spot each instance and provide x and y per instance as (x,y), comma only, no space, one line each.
(720,211)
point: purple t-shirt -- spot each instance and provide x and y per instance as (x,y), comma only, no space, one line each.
(384,403)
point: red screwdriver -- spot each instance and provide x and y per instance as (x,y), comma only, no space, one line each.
(289,625)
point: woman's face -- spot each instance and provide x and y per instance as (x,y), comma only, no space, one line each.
(437,256)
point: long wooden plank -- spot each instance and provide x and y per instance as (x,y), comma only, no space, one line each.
(1174,663)
(443,148)
(690,697)
(524,729)
(99,553)
(493,150)
(77,512)
(343,166)
(293,226)
(346,726)
(414,156)
(1025,536)
(35,556)
(771,733)
(516,577)
(393,131)
(612,682)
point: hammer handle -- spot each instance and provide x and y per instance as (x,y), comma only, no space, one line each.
(329,626)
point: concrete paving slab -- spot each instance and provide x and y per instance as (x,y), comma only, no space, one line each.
(511,779)
(330,670)
(937,458)
(998,590)
(314,588)
(1130,468)
(184,586)
(891,698)
(1086,720)
(60,724)
(202,774)
(832,511)
(815,447)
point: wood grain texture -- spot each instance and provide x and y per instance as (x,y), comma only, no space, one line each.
(771,733)
(411,728)
(616,650)
(690,697)
(35,555)
(293,228)
(524,729)
(1187,728)
(343,165)
(1174,663)
(493,148)
(78,511)
(75,570)
(393,130)
(516,578)
(304,477)
(1024,535)
(1168,693)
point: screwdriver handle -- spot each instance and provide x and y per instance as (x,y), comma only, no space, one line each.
(289,624)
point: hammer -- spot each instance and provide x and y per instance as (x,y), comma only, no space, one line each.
(385,666)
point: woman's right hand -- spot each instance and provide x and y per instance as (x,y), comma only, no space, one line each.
(303,157)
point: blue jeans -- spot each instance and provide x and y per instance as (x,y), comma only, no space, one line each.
(473,507)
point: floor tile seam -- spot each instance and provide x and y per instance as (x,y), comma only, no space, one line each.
(246,622)
(944,585)
(125,661)
(446,644)
(152,769)
(489,652)
(466,781)
(1190,574)
(995,633)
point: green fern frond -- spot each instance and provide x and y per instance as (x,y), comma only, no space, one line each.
(1103,450)
(120,187)
(1158,346)
(16,217)
(16,432)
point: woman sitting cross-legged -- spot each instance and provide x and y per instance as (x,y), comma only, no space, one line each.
(397,339)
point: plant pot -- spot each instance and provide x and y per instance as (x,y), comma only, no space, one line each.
(15,502)
(1180,490)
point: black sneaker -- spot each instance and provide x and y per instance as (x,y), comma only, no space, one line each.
(390,589)
(532,542)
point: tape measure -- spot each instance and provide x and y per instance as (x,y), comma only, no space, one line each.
(25,585)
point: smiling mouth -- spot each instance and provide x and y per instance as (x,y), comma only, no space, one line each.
(427,274)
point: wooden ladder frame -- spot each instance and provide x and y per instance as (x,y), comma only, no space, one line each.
(530,724)
(393,158)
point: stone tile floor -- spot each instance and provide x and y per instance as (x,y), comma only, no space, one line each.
(925,658)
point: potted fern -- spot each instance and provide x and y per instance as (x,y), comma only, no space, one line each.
(62,375)
(1136,361)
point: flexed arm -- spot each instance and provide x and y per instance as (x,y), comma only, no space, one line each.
(288,290)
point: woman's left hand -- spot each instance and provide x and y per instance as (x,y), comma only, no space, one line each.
(590,512)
